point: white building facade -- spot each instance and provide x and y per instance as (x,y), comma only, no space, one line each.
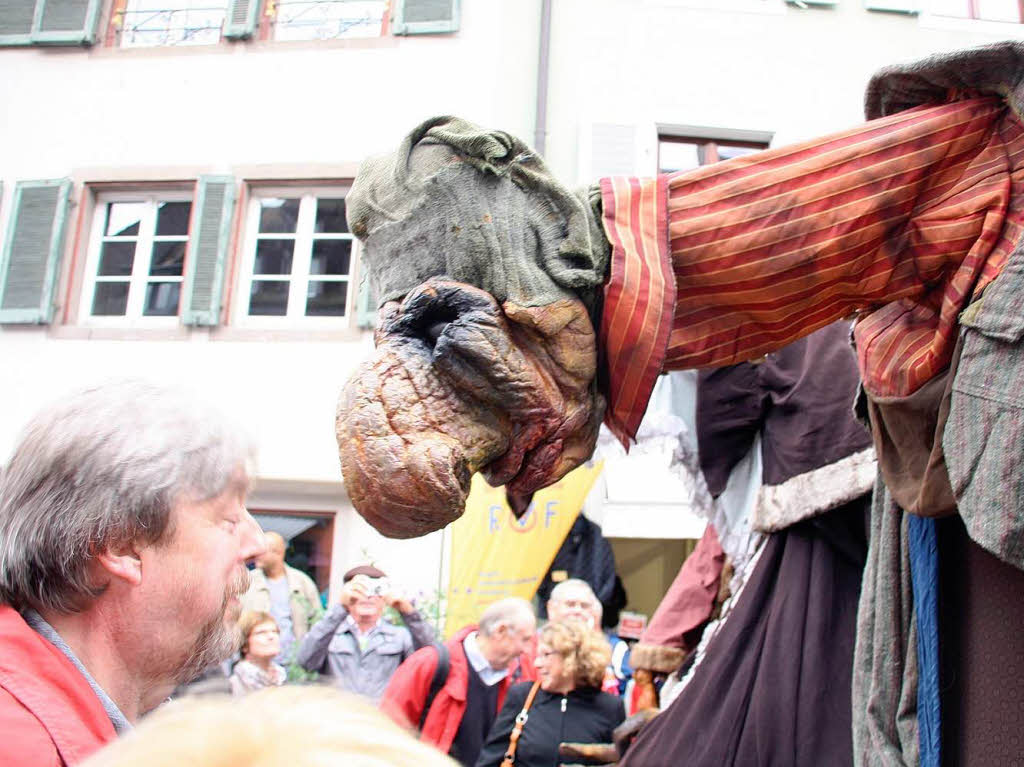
(174,175)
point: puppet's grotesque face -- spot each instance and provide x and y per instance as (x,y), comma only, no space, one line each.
(485,347)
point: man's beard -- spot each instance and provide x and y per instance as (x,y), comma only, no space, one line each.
(219,637)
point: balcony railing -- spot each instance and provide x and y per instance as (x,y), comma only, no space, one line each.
(327,19)
(145,27)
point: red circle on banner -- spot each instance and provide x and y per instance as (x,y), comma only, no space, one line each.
(526,524)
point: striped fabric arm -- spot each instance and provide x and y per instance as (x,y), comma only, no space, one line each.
(910,216)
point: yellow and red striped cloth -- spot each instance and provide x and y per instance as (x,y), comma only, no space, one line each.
(909,216)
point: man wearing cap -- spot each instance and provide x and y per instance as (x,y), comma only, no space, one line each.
(353,643)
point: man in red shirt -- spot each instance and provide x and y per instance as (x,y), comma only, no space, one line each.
(123,542)
(480,658)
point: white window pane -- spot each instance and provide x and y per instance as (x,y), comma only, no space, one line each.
(137,273)
(957,8)
(726,152)
(172,218)
(123,218)
(172,22)
(110,299)
(278,215)
(162,299)
(330,215)
(676,155)
(273,256)
(116,259)
(326,299)
(268,298)
(998,10)
(168,258)
(331,257)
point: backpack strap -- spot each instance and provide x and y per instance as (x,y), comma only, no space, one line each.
(438,680)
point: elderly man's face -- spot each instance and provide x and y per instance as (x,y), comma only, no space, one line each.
(575,605)
(509,641)
(195,579)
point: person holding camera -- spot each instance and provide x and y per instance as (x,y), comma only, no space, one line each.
(353,645)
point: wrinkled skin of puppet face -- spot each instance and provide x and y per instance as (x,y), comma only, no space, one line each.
(487,274)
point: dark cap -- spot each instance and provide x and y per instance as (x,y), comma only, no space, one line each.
(368,570)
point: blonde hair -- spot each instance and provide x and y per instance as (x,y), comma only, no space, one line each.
(248,621)
(299,726)
(585,652)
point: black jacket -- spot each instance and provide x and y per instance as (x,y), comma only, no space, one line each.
(585,715)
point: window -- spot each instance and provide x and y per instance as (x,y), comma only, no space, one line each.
(327,19)
(682,152)
(49,22)
(982,10)
(298,259)
(145,23)
(134,270)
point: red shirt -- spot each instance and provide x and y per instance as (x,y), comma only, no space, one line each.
(407,691)
(49,714)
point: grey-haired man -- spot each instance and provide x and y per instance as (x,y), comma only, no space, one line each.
(123,542)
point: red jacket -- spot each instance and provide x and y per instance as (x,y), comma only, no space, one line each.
(407,691)
(49,714)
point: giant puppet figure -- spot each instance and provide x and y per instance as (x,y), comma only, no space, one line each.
(515,316)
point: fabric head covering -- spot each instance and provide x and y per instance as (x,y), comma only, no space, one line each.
(475,206)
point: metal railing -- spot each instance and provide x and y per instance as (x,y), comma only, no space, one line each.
(327,19)
(171,26)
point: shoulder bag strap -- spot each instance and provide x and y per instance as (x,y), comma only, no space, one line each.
(437,681)
(521,717)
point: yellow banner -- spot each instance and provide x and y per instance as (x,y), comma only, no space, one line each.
(494,555)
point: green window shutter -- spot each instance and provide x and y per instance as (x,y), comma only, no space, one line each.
(17,19)
(208,247)
(48,22)
(241,19)
(32,251)
(425,17)
(366,305)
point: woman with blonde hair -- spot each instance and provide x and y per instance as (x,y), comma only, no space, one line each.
(261,643)
(564,705)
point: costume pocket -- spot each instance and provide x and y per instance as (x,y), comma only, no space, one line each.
(984,437)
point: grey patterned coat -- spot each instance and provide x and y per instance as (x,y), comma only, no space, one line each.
(331,648)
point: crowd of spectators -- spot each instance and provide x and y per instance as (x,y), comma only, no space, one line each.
(125,596)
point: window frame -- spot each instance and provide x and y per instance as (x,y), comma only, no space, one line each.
(115,29)
(973,11)
(140,276)
(270,16)
(293,319)
(708,140)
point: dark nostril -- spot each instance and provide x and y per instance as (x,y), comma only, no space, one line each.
(433,322)
(433,332)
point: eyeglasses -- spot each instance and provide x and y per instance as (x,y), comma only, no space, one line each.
(577,604)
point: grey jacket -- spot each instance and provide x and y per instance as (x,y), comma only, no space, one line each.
(331,648)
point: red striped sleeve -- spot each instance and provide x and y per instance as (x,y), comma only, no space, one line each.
(639,298)
(902,221)
(920,206)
